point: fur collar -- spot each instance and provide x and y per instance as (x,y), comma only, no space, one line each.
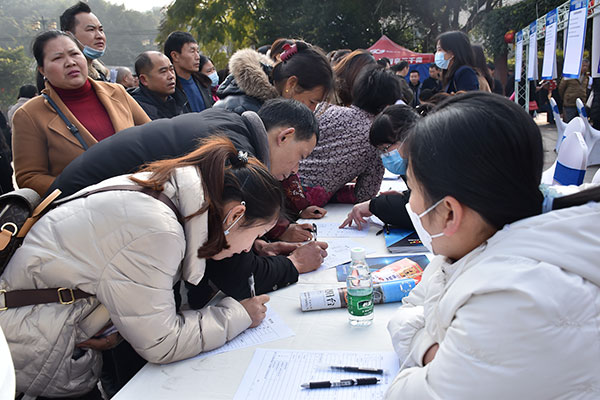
(248,69)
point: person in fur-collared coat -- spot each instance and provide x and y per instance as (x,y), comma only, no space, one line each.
(302,74)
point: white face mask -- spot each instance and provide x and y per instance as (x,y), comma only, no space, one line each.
(425,237)
(226,231)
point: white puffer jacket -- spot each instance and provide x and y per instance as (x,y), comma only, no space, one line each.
(128,250)
(517,318)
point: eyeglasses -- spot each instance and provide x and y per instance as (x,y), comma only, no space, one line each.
(384,149)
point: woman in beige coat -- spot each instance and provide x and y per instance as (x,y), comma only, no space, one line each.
(43,145)
(127,250)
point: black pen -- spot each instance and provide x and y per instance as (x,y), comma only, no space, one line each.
(314,231)
(377,371)
(341,383)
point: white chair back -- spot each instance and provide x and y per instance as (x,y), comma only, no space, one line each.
(560,124)
(575,125)
(596,178)
(571,161)
(590,135)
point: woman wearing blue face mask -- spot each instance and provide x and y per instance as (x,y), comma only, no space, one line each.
(207,68)
(387,134)
(509,307)
(454,56)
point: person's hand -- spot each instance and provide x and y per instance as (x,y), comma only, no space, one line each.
(309,257)
(430,353)
(263,248)
(386,192)
(101,343)
(313,212)
(297,233)
(256,309)
(358,214)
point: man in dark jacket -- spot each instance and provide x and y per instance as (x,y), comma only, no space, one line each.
(156,93)
(282,133)
(182,49)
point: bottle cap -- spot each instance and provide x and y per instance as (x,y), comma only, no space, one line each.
(358,253)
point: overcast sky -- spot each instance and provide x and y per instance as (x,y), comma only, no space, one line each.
(141,5)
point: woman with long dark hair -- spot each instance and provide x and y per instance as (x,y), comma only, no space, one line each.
(454,56)
(509,306)
(114,257)
(486,82)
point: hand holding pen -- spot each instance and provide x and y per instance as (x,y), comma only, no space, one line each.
(255,305)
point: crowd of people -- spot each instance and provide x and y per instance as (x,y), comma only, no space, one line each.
(193,179)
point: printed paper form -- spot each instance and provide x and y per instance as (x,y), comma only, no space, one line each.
(332,230)
(271,328)
(338,252)
(277,374)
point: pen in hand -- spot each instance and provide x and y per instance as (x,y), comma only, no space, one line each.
(341,383)
(251,285)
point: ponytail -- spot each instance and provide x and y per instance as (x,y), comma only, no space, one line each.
(307,63)
(227,175)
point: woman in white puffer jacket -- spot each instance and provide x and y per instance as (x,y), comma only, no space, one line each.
(127,249)
(510,307)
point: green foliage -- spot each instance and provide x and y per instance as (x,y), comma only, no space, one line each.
(16,69)
(499,21)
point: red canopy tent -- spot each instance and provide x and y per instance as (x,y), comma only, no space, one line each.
(384,47)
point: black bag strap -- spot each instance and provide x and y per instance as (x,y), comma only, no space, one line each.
(71,127)
(29,297)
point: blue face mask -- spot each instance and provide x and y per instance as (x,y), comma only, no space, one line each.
(394,163)
(439,60)
(214,77)
(92,54)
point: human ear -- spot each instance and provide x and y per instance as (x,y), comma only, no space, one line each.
(234,213)
(290,85)
(174,56)
(41,71)
(143,79)
(453,213)
(285,135)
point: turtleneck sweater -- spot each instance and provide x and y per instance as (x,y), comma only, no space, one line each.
(87,108)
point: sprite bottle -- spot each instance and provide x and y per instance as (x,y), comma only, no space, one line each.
(360,290)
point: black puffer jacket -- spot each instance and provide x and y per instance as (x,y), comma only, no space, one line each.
(595,109)
(248,86)
(156,107)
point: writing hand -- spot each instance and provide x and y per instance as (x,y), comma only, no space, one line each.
(309,257)
(358,214)
(256,309)
(297,233)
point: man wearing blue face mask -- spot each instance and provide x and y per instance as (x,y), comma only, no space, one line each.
(387,134)
(87,29)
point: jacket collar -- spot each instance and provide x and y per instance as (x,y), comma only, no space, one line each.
(257,135)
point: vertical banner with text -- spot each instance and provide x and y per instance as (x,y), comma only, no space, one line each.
(519,56)
(549,64)
(575,38)
(532,65)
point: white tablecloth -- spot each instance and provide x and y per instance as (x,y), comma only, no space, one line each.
(218,377)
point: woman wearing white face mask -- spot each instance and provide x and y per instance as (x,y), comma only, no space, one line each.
(207,68)
(121,252)
(454,56)
(509,308)
(387,134)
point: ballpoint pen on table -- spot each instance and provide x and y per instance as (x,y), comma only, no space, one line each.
(378,371)
(341,383)
(251,284)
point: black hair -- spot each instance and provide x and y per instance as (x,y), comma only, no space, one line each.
(309,65)
(67,19)
(491,66)
(416,71)
(28,91)
(375,88)
(485,151)
(459,44)
(392,125)
(480,65)
(204,60)
(175,42)
(37,48)
(264,49)
(384,62)
(347,69)
(290,113)
(433,65)
(400,66)
(143,63)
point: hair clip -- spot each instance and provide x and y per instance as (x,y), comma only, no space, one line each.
(243,156)
(288,51)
